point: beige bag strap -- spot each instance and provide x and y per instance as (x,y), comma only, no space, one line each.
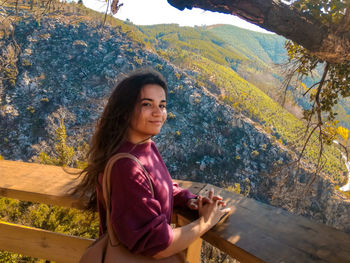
(106,190)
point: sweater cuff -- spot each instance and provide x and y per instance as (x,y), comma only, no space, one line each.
(181,199)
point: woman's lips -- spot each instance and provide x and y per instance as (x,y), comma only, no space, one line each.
(156,122)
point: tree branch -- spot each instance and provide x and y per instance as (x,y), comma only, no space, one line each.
(311,88)
(345,22)
(284,20)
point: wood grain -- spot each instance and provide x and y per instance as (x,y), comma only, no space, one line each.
(38,183)
(42,244)
(274,235)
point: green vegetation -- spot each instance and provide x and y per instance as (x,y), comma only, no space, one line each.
(347,194)
(31,109)
(11,73)
(53,218)
(26,63)
(58,219)
(238,189)
(171,115)
(201,51)
(254,153)
(263,49)
(334,83)
(196,40)
(63,155)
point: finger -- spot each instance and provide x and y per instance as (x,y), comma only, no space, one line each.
(200,203)
(193,204)
(217,197)
(206,200)
(211,193)
(222,203)
(217,202)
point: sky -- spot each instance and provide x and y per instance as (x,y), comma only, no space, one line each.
(150,12)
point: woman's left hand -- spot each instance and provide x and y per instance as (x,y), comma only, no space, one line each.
(193,203)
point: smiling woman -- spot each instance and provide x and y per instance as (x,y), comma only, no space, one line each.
(142,192)
(149,115)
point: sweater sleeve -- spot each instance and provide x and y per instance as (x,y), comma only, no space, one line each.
(136,216)
(181,196)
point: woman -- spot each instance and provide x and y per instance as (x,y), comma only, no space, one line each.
(136,111)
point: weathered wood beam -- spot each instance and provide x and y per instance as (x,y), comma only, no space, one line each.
(41,243)
(327,44)
(38,183)
(257,232)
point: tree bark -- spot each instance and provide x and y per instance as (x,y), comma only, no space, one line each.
(332,45)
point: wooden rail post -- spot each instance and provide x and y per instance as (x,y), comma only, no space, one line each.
(193,254)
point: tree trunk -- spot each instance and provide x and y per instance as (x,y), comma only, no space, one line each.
(332,45)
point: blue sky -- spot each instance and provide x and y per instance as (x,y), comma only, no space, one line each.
(149,12)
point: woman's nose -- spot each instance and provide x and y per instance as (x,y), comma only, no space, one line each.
(157,111)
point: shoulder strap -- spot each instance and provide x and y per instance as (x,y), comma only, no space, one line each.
(106,189)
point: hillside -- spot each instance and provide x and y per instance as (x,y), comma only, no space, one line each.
(221,128)
(248,85)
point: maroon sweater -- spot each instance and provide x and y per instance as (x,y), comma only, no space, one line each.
(141,222)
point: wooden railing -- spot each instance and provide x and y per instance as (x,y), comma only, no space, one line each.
(255,232)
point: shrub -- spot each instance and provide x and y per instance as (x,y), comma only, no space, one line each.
(31,109)
(236,188)
(254,153)
(171,115)
(159,67)
(26,63)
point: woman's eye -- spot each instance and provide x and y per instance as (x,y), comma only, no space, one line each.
(146,104)
(162,106)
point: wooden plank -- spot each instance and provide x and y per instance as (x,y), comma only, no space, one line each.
(274,235)
(225,246)
(193,187)
(37,183)
(42,244)
(48,184)
(193,252)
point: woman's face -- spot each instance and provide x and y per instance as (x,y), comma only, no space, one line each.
(149,113)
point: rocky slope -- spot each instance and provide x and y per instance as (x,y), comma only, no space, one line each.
(65,68)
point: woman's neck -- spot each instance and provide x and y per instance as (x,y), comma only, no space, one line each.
(137,140)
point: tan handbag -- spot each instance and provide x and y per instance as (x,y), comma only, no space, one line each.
(107,248)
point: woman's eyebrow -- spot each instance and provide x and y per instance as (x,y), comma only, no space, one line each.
(146,99)
(150,100)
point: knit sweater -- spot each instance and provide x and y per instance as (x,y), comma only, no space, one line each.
(141,221)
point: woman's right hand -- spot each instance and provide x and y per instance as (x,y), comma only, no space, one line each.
(211,211)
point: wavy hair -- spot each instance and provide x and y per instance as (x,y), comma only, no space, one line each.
(111,129)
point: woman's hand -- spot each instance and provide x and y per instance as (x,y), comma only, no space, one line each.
(193,203)
(211,208)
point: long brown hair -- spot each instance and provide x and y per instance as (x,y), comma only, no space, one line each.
(111,129)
